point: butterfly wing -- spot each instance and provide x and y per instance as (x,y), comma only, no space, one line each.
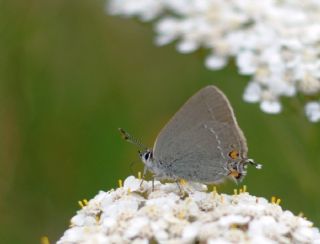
(196,143)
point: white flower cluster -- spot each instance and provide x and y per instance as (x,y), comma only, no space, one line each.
(276,42)
(140,214)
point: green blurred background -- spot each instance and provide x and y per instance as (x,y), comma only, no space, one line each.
(70,75)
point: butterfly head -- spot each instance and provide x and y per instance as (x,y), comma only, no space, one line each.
(145,154)
(146,157)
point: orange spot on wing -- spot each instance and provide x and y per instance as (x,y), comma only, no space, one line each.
(234,173)
(234,154)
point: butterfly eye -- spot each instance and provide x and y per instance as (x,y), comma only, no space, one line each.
(147,155)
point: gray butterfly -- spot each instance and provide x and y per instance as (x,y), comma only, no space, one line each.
(202,142)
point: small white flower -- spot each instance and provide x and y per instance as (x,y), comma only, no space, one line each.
(167,29)
(309,84)
(72,235)
(215,62)
(187,46)
(146,10)
(263,240)
(109,223)
(247,63)
(121,206)
(133,184)
(159,229)
(271,107)
(191,232)
(305,234)
(312,110)
(218,241)
(233,219)
(140,241)
(82,219)
(252,92)
(136,226)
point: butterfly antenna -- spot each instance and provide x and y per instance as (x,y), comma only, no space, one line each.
(255,164)
(129,138)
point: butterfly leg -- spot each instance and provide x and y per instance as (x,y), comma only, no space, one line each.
(177,182)
(153,184)
(181,191)
(143,175)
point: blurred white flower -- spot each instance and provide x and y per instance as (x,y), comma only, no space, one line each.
(163,215)
(312,110)
(215,62)
(275,42)
(146,10)
(253,92)
(271,107)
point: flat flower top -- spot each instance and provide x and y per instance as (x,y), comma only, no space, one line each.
(137,213)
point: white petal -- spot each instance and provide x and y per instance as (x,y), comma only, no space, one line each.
(132,183)
(246,62)
(187,46)
(218,241)
(167,26)
(146,10)
(215,62)
(309,84)
(252,92)
(312,110)
(304,234)
(270,107)
(190,232)
(135,227)
(233,219)
(162,40)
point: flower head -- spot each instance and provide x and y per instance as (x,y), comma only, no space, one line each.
(277,43)
(139,214)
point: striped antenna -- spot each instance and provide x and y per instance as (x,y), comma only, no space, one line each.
(129,138)
(253,163)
